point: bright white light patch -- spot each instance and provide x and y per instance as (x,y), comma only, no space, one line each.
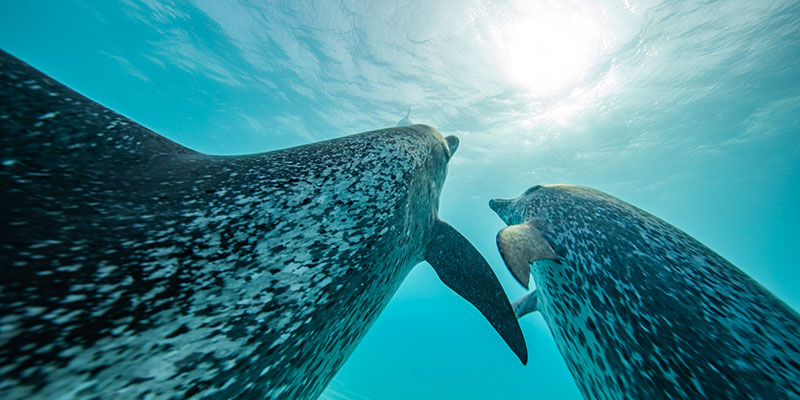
(547,50)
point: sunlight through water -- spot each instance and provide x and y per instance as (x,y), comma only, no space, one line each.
(552,48)
(559,58)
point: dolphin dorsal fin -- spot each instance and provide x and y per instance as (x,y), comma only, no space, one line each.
(406,121)
(462,268)
(520,245)
(526,304)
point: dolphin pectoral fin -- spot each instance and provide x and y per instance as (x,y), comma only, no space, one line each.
(520,245)
(462,268)
(526,304)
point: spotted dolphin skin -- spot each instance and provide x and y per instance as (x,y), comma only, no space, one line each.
(133,267)
(640,309)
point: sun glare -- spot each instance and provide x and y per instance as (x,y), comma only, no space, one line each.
(549,51)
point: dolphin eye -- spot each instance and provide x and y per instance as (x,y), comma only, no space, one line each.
(531,190)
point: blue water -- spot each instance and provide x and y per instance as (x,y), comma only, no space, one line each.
(689,110)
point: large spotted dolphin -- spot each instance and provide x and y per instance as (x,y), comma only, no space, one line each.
(640,309)
(133,267)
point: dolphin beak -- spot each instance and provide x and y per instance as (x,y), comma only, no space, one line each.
(503,208)
(498,205)
(452,144)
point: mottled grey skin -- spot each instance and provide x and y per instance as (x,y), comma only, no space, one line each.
(641,310)
(133,267)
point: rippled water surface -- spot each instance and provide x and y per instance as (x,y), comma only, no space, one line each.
(687,109)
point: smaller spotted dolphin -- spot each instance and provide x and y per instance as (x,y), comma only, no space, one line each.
(133,267)
(640,309)
(406,121)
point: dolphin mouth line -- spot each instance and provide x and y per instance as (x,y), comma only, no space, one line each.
(498,204)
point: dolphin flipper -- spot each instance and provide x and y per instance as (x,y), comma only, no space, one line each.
(526,304)
(520,245)
(462,268)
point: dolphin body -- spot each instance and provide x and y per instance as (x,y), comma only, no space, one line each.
(641,310)
(134,267)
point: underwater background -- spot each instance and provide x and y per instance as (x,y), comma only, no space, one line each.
(687,109)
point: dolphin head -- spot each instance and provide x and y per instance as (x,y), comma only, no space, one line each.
(512,211)
(545,221)
(538,204)
(547,215)
(524,240)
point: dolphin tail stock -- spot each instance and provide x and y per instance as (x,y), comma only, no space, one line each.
(526,304)
(520,245)
(464,270)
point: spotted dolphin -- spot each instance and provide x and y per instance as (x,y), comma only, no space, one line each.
(406,121)
(134,267)
(641,310)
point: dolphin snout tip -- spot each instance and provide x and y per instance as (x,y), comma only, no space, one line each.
(497,204)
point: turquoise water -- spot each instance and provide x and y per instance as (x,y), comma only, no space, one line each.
(689,110)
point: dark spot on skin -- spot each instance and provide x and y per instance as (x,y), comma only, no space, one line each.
(193,390)
(278,290)
(305,201)
(789,345)
(97,370)
(590,324)
(180,331)
(137,381)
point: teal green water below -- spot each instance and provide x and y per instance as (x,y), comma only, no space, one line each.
(689,110)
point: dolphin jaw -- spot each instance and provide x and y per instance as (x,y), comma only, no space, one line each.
(502,208)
